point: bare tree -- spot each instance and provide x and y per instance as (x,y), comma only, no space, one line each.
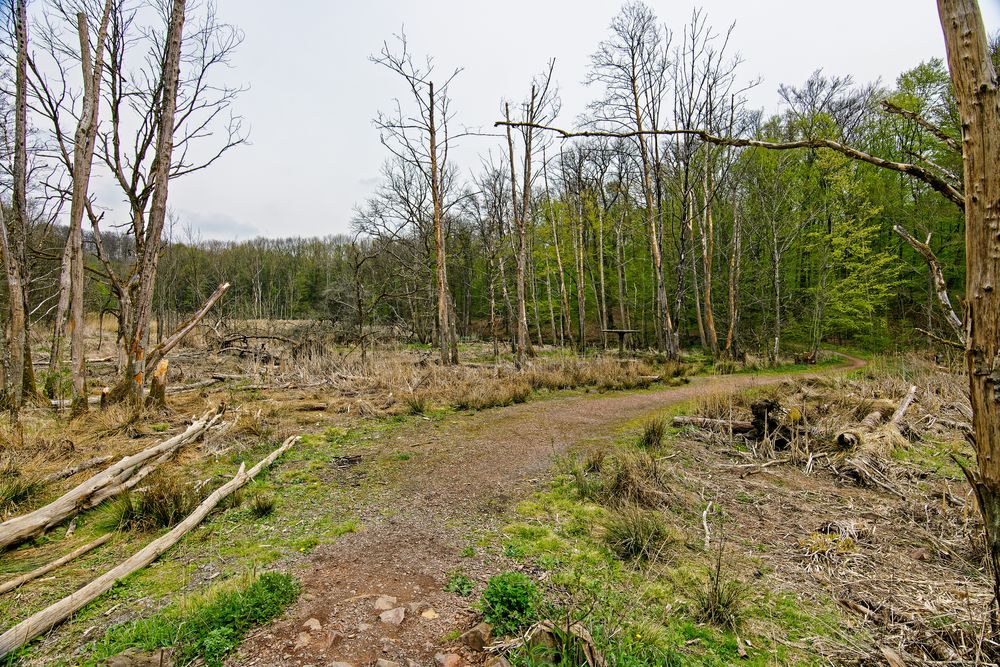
(421,138)
(630,66)
(541,104)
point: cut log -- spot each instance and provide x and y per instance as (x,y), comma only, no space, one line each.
(80,467)
(27,526)
(17,582)
(56,613)
(904,405)
(853,438)
(734,425)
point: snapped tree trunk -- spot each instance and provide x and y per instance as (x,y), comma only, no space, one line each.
(150,255)
(975,84)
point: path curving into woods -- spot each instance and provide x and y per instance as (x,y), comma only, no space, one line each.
(465,474)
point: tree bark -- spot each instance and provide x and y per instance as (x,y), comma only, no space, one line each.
(975,84)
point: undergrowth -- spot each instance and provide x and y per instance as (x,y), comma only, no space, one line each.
(204,628)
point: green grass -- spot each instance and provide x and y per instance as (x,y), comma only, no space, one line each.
(653,615)
(205,627)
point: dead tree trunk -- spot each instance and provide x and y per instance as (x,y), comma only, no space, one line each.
(975,84)
(149,256)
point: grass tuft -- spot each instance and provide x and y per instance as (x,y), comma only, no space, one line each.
(637,534)
(161,504)
(262,505)
(653,432)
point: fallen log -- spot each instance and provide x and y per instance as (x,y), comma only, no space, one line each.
(27,526)
(69,472)
(56,613)
(734,425)
(17,582)
(853,438)
(900,412)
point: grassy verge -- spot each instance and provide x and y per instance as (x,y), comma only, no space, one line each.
(307,496)
(203,627)
(618,542)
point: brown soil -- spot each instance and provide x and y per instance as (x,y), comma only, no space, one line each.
(466,472)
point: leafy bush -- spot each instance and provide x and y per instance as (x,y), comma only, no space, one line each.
(460,584)
(510,602)
(205,629)
(637,534)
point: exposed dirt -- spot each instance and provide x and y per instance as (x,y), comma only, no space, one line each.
(464,474)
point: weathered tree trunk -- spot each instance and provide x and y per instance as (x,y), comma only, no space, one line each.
(707,252)
(667,341)
(735,252)
(567,325)
(518,212)
(975,84)
(150,254)
(18,326)
(27,379)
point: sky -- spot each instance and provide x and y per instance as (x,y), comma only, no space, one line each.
(312,91)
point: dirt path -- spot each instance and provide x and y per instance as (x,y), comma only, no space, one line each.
(465,473)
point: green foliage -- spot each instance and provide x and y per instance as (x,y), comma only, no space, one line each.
(206,628)
(460,584)
(510,602)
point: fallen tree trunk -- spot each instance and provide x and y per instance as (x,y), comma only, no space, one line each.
(27,526)
(56,613)
(69,472)
(184,329)
(851,439)
(734,425)
(17,582)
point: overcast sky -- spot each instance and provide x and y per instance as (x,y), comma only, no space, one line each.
(312,92)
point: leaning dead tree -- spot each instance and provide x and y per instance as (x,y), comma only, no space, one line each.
(420,137)
(975,83)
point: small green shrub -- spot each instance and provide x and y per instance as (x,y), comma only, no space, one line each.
(652,433)
(510,602)
(460,584)
(633,533)
(261,505)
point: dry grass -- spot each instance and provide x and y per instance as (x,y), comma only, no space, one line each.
(635,478)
